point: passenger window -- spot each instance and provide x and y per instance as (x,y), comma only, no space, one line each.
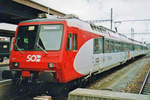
(69,39)
(117,47)
(98,45)
(107,46)
(111,46)
(74,41)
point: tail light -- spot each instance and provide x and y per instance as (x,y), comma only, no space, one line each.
(51,65)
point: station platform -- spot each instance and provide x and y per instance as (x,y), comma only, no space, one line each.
(90,94)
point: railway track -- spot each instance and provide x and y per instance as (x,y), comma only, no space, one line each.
(25,96)
(145,89)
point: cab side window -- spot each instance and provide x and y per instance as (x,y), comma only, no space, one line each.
(69,41)
(74,41)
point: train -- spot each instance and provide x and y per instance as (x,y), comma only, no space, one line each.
(62,50)
(4,49)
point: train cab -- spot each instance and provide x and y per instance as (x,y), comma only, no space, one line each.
(46,49)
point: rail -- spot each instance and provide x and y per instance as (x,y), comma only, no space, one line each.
(5,82)
(145,80)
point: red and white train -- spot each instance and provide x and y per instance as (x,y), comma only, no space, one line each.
(61,50)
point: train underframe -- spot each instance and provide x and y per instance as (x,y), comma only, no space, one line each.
(45,85)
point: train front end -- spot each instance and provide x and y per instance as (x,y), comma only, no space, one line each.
(37,51)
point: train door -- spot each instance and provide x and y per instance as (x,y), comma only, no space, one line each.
(71,47)
(71,50)
(98,53)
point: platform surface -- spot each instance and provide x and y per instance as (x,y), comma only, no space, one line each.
(89,94)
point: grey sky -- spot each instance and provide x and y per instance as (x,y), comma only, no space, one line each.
(100,9)
(94,9)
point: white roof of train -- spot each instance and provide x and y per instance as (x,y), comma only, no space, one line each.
(100,30)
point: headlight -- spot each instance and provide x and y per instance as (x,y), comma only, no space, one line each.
(51,65)
(15,64)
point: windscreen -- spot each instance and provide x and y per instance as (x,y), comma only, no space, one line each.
(51,36)
(39,37)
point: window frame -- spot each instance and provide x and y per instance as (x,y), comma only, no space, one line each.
(74,42)
(100,41)
(69,40)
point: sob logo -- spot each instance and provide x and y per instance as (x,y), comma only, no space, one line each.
(33,58)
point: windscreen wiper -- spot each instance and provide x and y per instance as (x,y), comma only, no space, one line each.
(41,48)
(18,48)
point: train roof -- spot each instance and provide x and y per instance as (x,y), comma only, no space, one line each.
(100,30)
(42,20)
